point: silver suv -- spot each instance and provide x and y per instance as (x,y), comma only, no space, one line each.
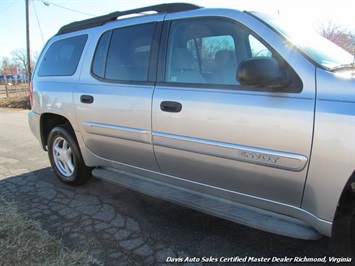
(231,113)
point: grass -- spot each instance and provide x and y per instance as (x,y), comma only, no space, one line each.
(24,242)
(16,102)
(18,96)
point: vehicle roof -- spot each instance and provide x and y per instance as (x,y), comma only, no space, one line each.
(101,20)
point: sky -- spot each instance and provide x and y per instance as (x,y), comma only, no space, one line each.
(47,17)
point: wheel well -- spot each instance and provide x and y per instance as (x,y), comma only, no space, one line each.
(345,206)
(50,121)
(347,198)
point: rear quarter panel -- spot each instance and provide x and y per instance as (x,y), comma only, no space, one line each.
(54,94)
(333,153)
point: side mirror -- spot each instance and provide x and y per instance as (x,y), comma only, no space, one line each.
(261,72)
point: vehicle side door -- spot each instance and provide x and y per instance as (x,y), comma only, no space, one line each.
(254,142)
(114,95)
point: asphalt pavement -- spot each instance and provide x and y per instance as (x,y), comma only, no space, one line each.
(122,227)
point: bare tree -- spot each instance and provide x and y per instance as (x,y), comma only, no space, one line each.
(338,35)
(19,58)
(5,70)
(5,65)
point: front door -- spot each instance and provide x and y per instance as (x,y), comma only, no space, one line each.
(210,130)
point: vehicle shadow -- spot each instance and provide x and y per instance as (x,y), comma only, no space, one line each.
(118,225)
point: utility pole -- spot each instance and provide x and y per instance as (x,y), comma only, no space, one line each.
(28,40)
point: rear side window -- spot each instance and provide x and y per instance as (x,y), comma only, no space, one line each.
(62,57)
(124,54)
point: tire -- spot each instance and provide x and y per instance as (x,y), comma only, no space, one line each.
(65,156)
(352,231)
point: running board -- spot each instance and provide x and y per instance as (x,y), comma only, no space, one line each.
(223,208)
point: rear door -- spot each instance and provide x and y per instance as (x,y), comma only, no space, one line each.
(114,95)
(209,129)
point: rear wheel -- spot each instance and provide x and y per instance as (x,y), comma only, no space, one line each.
(352,231)
(65,156)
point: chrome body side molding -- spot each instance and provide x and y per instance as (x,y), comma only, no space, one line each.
(276,159)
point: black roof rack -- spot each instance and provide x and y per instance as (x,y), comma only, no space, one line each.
(100,20)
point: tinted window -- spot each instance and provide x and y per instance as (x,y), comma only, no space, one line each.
(128,54)
(62,57)
(99,63)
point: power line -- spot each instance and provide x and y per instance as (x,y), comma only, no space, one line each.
(39,24)
(6,8)
(73,10)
